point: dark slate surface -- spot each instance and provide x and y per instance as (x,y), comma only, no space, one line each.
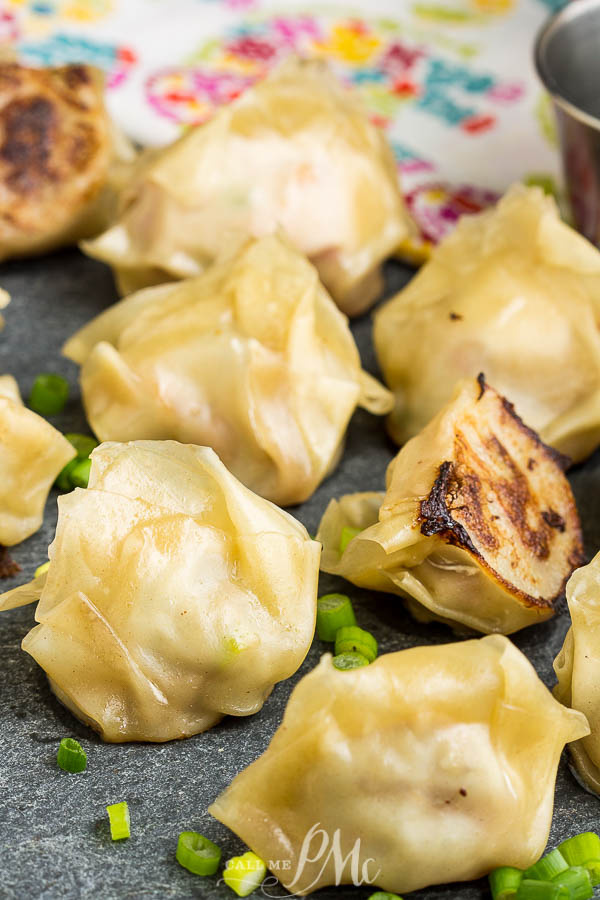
(54,840)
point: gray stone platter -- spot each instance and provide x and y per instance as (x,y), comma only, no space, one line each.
(54,840)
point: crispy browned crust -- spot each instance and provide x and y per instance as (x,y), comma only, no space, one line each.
(8,567)
(458,508)
(55,148)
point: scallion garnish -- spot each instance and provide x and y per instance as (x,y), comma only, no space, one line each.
(63,479)
(344,661)
(197,854)
(243,874)
(49,394)
(333,612)
(548,868)
(351,639)
(83,443)
(578,881)
(529,889)
(118,816)
(384,895)
(41,569)
(80,475)
(583,850)
(504,882)
(348,534)
(71,756)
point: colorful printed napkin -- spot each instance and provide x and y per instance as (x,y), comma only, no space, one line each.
(451,81)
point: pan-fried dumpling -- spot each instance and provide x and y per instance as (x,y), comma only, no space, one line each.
(32,453)
(251,358)
(515,293)
(577,667)
(174,595)
(296,152)
(62,161)
(478,525)
(441,761)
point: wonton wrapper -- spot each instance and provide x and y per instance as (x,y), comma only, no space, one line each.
(62,161)
(32,453)
(174,595)
(515,293)
(251,358)
(577,667)
(295,152)
(478,525)
(442,760)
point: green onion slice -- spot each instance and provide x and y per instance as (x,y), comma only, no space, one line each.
(41,569)
(71,756)
(351,639)
(548,868)
(578,881)
(118,816)
(344,661)
(83,443)
(80,475)
(348,534)
(49,394)
(583,850)
(197,854)
(243,874)
(333,612)
(541,890)
(504,882)
(63,479)
(384,895)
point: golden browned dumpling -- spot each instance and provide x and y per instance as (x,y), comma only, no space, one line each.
(478,525)
(298,153)
(251,358)
(61,158)
(430,765)
(32,453)
(174,595)
(512,292)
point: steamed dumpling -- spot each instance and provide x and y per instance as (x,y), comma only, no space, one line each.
(441,760)
(478,525)
(174,595)
(251,358)
(577,667)
(515,293)
(32,453)
(62,161)
(295,152)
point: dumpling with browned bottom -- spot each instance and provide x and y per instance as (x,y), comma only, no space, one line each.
(430,765)
(478,525)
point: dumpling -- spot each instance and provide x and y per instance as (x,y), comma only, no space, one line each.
(4,301)
(577,667)
(62,161)
(251,358)
(478,525)
(296,152)
(32,453)
(515,293)
(174,596)
(430,765)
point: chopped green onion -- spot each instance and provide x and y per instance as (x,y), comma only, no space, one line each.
(384,895)
(351,639)
(197,854)
(504,882)
(583,850)
(344,661)
(333,612)
(118,816)
(41,569)
(63,479)
(83,443)
(49,394)
(541,890)
(548,868)
(71,756)
(348,534)
(578,881)
(243,874)
(80,475)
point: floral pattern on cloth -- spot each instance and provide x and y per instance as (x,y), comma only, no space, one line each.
(435,74)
